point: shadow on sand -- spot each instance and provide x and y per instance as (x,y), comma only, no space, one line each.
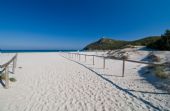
(150,78)
(110,75)
(127,91)
(2,83)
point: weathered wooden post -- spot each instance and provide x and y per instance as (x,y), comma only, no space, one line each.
(103,62)
(6,77)
(123,70)
(13,66)
(85,57)
(93,59)
(79,57)
(16,60)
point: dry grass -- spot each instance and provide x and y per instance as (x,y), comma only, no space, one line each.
(2,77)
(154,58)
(159,72)
(124,57)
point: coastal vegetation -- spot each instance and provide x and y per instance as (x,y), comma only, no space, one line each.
(160,72)
(2,77)
(12,79)
(154,42)
(111,44)
(163,43)
(106,44)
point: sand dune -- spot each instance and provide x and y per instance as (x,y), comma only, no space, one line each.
(50,82)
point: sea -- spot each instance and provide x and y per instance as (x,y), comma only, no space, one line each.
(33,51)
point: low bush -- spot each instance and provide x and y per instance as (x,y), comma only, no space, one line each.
(2,77)
(159,72)
(124,57)
(154,58)
(12,79)
(163,43)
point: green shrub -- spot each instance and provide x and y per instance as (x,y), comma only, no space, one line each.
(12,79)
(124,57)
(163,43)
(159,72)
(2,77)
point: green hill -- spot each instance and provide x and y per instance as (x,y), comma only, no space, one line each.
(106,44)
(110,44)
(145,41)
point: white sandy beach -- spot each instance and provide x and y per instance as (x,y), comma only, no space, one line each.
(50,82)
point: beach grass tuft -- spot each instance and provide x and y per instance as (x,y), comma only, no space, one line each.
(2,77)
(160,72)
(12,79)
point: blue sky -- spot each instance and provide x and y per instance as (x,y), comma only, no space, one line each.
(71,24)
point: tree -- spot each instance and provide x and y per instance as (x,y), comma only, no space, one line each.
(165,40)
(163,43)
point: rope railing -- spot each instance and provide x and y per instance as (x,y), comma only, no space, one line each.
(5,69)
(70,55)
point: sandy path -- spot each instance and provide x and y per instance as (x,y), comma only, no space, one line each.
(49,82)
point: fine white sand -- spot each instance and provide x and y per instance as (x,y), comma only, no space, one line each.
(50,82)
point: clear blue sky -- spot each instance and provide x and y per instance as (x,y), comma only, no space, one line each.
(71,24)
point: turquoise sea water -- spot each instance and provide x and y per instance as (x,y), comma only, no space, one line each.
(25,51)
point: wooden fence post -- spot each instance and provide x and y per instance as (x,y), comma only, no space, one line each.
(6,77)
(85,57)
(16,60)
(79,57)
(123,69)
(13,66)
(93,59)
(103,62)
